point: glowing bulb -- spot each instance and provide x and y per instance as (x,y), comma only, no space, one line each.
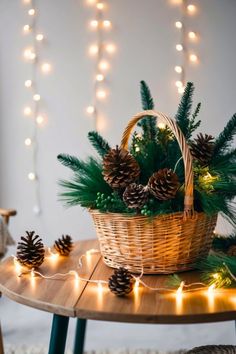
(46,68)
(193,58)
(90,109)
(40,120)
(32,56)
(76,275)
(179,47)
(93,49)
(101,94)
(191,8)
(181,89)
(103,65)
(32,273)
(31,12)
(36,97)
(192,35)
(178,24)
(28,141)
(28,83)
(27,111)
(52,256)
(137,148)
(18,266)
(216,276)
(27,1)
(178,83)
(106,24)
(180,289)
(31,176)
(161,125)
(99,77)
(136,285)
(211,288)
(94,23)
(39,37)
(28,53)
(91,2)
(100,288)
(100,6)
(110,48)
(26,28)
(178,69)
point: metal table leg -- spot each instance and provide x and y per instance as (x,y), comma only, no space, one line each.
(58,334)
(80,336)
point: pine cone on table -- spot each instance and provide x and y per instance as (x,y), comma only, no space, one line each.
(164,184)
(121,282)
(120,168)
(63,245)
(30,250)
(202,148)
(135,196)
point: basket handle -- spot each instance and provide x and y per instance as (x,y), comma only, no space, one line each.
(187,157)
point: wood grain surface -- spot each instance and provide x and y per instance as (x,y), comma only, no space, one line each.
(85,300)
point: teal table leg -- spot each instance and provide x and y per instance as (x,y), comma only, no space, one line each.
(58,334)
(79,336)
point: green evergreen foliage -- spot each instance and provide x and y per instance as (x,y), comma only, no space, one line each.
(71,162)
(193,124)
(99,143)
(184,109)
(225,138)
(223,243)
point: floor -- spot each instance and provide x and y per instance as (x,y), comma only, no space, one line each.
(23,325)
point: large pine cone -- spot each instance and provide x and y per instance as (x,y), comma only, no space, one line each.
(164,184)
(120,168)
(30,250)
(64,245)
(135,196)
(121,282)
(202,148)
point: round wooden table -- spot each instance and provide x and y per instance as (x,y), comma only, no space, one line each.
(67,297)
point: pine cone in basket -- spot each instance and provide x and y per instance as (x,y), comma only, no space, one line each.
(135,196)
(64,245)
(121,282)
(30,250)
(232,251)
(164,184)
(202,148)
(120,168)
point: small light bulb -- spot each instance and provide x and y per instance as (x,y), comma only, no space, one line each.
(211,288)
(28,83)
(179,47)
(181,89)
(191,8)
(180,289)
(100,5)
(193,58)
(27,111)
(137,281)
(161,125)
(94,23)
(28,141)
(32,273)
(90,109)
(178,24)
(99,77)
(39,37)
(103,65)
(31,12)
(101,94)
(91,2)
(36,97)
(178,83)
(26,28)
(110,48)
(32,56)
(192,35)
(27,52)
(93,49)
(31,176)
(27,1)
(178,69)
(100,288)
(40,119)
(46,68)
(106,24)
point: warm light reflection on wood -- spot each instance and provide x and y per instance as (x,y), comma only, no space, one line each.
(211,300)
(179,302)
(18,266)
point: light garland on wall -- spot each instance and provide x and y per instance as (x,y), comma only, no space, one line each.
(182,47)
(100,50)
(31,55)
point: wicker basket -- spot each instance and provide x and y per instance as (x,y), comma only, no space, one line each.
(166,243)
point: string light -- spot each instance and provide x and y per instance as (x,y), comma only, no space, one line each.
(52,256)
(178,24)
(93,49)
(192,35)
(103,65)
(106,24)
(101,94)
(36,97)
(28,141)
(31,176)
(26,28)
(99,77)
(27,111)
(110,48)
(90,109)
(193,58)
(40,120)
(46,68)
(100,5)
(191,8)
(179,83)
(178,69)
(39,37)
(211,288)
(31,12)
(28,83)
(181,89)
(94,23)
(179,47)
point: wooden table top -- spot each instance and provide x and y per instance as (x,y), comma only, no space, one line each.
(77,298)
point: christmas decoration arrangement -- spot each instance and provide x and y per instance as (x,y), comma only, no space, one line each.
(155,201)
(30,250)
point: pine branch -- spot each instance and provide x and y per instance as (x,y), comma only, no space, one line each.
(184,109)
(146,97)
(71,162)
(99,143)
(193,125)
(225,138)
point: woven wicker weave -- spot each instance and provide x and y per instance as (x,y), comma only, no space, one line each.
(214,349)
(165,243)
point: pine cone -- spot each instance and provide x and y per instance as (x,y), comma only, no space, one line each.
(121,282)
(120,168)
(164,184)
(64,245)
(202,148)
(232,251)
(135,196)
(30,251)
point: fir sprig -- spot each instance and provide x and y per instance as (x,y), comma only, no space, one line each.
(225,138)
(184,109)
(99,143)
(71,162)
